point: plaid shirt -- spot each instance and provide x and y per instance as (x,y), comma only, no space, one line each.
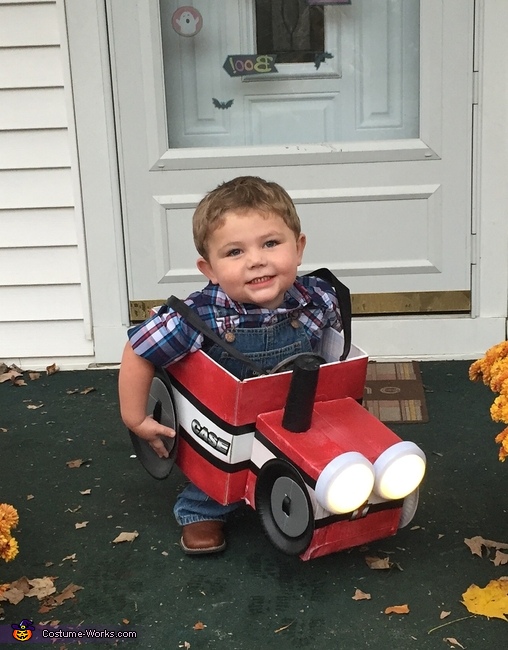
(166,337)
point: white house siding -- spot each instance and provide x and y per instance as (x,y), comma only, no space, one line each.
(44,312)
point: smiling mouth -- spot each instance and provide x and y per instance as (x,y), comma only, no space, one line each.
(265,278)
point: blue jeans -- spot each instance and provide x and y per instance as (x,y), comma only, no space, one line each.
(193,505)
(266,346)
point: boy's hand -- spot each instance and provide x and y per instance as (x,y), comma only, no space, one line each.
(153,432)
(136,375)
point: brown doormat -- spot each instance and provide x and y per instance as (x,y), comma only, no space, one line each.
(394,392)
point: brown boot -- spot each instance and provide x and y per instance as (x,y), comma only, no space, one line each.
(203,537)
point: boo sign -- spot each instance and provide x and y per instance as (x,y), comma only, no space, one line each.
(239,65)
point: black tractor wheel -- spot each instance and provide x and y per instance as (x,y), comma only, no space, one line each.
(161,407)
(284,507)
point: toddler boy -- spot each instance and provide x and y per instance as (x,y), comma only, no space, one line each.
(248,236)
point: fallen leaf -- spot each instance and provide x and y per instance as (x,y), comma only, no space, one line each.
(444,615)
(73,391)
(490,601)
(10,375)
(50,370)
(85,391)
(16,591)
(33,407)
(397,609)
(78,462)
(73,509)
(500,558)
(453,642)
(360,595)
(38,587)
(477,543)
(125,621)
(284,627)
(2,430)
(34,375)
(13,595)
(53,601)
(81,525)
(69,557)
(185,645)
(41,588)
(29,497)
(126,537)
(89,491)
(377,562)
(198,626)
(18,381)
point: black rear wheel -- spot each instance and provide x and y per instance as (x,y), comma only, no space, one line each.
(161,407)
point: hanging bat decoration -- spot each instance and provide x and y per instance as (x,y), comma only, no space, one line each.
(321,58)
(222,105)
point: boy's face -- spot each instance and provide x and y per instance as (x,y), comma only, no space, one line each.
(253,257)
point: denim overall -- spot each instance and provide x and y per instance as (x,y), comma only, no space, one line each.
(267,346)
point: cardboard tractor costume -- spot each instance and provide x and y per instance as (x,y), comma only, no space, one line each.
(296,445)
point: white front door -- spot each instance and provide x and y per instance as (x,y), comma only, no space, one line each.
(369,130)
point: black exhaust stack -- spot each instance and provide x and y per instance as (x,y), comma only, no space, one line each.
(302,392)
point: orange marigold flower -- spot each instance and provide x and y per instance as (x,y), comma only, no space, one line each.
(499,383)
(499,409)
(493,370)
(498,374)
(8,517)
(475,371)
(502,439)
(10,550)
(483,368)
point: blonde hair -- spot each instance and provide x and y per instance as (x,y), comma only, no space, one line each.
(241,194)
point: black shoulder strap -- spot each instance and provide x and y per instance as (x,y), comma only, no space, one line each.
(344,300)
(196,321)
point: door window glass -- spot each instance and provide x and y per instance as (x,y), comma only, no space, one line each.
(267,72)
(291,29)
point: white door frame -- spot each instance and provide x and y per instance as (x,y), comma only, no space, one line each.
(99,180)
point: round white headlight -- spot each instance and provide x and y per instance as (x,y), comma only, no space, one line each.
(345,483)
(399,470)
